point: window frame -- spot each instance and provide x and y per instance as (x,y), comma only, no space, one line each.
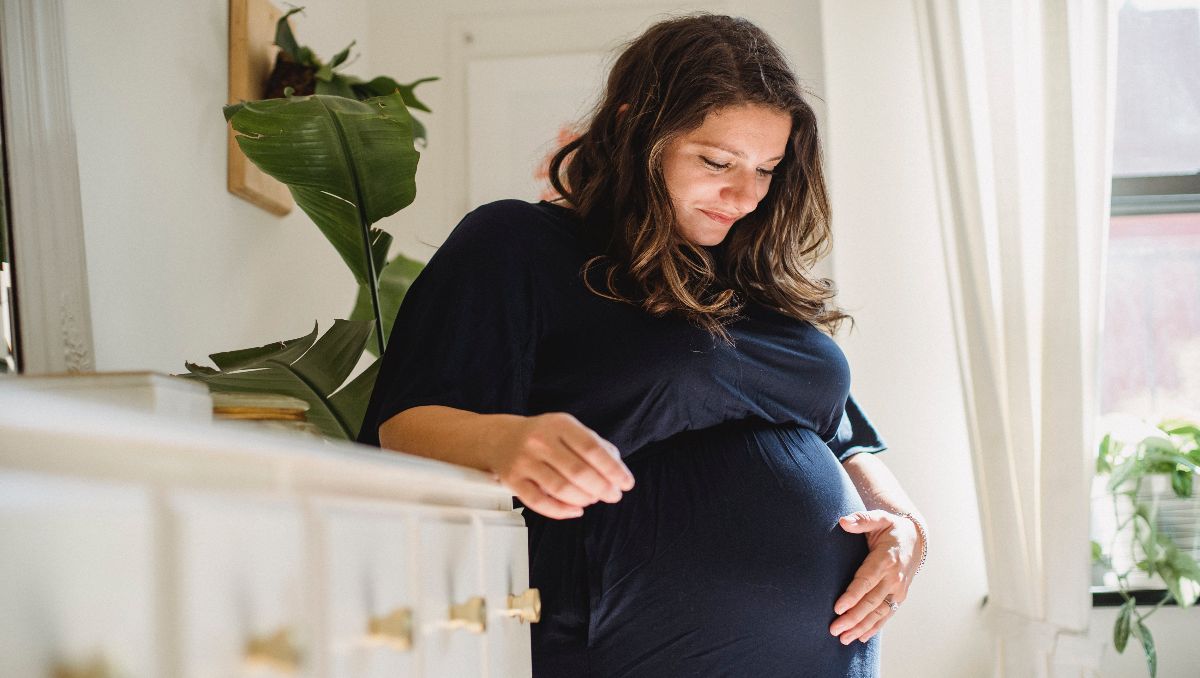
(1155,194)
(1132,196)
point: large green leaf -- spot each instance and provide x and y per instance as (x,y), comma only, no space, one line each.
(394,281)
(347,163)
(312,375)
(327,364)
(350,403)
(383,86)
(282,351)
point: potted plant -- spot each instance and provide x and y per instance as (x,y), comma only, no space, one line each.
(349,161)
(1155,530)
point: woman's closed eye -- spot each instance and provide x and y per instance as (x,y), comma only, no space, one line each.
(716,166)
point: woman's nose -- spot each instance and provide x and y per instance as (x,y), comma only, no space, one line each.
(742,192)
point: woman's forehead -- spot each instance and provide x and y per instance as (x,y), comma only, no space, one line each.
(744,131)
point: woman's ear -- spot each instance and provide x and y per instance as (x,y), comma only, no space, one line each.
(621,108)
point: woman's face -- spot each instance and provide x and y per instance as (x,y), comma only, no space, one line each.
(718,173)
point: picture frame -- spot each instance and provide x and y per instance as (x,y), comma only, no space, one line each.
(252,54)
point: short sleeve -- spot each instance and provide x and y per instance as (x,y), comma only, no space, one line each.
(855,433)
(466,331)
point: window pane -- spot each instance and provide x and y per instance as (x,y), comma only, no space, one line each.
(1157,126)
(1150,363)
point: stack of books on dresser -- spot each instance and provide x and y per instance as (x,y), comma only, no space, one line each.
(268,410)
(166,395)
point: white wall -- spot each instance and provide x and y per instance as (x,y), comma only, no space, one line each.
(178,267)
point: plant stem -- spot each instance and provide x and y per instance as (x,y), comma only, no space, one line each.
(1157,605)
(364,225)
(373,283)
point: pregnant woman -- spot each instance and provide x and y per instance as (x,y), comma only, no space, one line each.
(647,364)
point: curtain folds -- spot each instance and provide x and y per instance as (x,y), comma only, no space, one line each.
(1020,100)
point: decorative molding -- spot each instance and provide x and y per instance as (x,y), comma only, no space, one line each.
(49,266)
(77,354)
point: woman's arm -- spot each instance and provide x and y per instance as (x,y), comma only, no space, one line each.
(554,464)
(894,548)
(877,486)
(448,434)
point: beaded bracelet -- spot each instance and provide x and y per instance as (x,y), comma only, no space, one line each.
(924,538)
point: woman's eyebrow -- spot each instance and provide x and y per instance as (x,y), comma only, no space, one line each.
(733,152)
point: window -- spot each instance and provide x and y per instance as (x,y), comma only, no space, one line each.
(1150,352)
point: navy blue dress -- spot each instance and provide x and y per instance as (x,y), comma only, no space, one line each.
(726,557)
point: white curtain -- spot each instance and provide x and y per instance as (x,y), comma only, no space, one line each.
(1020,96)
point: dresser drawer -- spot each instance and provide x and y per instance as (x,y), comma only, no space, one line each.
(240,568)
(512,606)
(368,556)
(76,578)
(452,614)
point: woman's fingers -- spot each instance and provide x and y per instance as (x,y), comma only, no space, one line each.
(555,457)
(565,487)
(875,629)
(537,500)
(599,454)
(865,579)
(575,467)
(869,612)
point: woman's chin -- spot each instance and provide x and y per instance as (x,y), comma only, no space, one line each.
(706,237)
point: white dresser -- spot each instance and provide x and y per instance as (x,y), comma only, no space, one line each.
(135,544)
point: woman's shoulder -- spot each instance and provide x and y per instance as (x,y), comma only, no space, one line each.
(511,226)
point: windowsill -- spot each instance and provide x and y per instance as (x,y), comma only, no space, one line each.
(1107,596)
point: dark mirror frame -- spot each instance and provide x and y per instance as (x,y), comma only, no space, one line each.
(10,359)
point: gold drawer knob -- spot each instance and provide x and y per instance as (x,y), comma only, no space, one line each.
(527,607)
(276,651)
(471,615)
(94,668)
(393,630)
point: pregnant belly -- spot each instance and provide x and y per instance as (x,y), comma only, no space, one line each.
(726,556)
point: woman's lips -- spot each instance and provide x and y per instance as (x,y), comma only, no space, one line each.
(723,220)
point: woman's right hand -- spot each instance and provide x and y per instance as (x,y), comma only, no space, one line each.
(556,466)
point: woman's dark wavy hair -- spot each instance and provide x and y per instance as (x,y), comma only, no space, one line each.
(672,77)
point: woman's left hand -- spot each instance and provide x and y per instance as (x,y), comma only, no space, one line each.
(886,573)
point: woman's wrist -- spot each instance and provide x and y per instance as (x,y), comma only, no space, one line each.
(493,438)
(922,536)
